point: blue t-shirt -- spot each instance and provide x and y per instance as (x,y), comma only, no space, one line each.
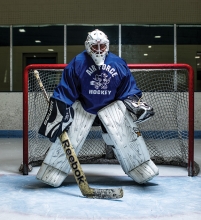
(95,87)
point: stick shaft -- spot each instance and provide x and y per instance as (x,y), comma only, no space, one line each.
(70,152)
(75,164)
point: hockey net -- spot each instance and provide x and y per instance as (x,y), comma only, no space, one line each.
(169,135)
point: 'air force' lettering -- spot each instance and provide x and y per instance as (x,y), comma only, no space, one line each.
(105,67)
(110,70)
(91,70)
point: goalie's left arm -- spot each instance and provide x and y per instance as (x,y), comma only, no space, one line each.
(139,108)
(130,94)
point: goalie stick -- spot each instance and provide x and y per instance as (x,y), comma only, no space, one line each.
(75,164)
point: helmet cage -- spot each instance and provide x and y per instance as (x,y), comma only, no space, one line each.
(97,46)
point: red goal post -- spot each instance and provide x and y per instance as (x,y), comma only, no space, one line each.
(146,72)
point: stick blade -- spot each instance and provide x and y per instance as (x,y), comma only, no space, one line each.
(108,193)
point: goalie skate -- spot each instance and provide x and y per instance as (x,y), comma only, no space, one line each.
(130,148)
(55,167)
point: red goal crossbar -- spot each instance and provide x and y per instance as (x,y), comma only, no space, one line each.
(131,66)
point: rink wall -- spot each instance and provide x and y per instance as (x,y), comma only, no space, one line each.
(11,114)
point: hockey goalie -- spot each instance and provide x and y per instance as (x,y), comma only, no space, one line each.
(97,85)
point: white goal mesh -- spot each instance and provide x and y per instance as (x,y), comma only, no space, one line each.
(168,135)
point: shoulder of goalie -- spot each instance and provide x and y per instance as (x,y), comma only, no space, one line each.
(140,109)
(58,118)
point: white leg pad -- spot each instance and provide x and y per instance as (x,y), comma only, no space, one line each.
(107,139)
(144,172)
(55,167)
(130,148)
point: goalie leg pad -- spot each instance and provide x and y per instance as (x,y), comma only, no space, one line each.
(107,139)
(130,148)
(109,146)
(144,172)
(55,167)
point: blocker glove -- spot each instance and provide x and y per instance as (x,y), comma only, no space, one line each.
(58,118)
(135,105)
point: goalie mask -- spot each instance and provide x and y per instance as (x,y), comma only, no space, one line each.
(97,46)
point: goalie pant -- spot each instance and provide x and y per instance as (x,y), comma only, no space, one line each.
(129,146)
(55,167)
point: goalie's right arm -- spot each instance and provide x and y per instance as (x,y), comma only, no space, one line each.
(59,117)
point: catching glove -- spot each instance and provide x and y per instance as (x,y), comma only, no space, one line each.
(140,109)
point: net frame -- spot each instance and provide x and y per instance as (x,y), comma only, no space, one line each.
(190,165)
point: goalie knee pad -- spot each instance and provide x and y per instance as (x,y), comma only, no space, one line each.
(129,146)
(55,166)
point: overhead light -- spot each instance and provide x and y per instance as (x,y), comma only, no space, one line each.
(145,54)
(37,41)
(198,64)
(197,57)
(50,49)
(157,36)
(150,46)
(22,30)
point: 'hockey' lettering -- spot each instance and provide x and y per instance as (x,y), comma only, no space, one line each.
(100,92)
(74,166)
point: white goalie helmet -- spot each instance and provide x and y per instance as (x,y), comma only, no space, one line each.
(97,46)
